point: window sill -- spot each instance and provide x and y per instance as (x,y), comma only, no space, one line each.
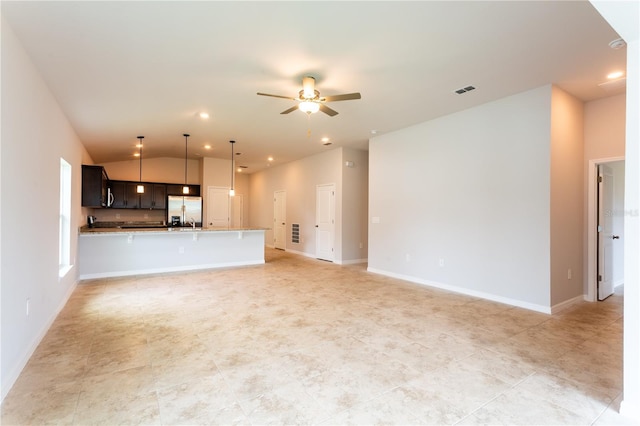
(64,270)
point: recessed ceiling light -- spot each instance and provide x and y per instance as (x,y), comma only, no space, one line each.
(139,145)
(615,74)
(325,139)
(207,147)
(136,154)
(373,132)
(617,44)
(204,115)
(270,159)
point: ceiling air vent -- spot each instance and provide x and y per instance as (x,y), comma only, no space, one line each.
(464,90)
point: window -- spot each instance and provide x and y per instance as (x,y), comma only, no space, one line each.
(64,260)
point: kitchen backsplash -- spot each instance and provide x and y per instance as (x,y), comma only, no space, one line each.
(129,215)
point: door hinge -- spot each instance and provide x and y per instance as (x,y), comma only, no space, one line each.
(599,178)
(599,278)
(599,228)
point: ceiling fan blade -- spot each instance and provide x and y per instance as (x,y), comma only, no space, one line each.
(327,110)
(287,111)
(277,96)
(345,97)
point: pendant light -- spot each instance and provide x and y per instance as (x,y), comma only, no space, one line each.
(140,187)
(232,192)
(185,188)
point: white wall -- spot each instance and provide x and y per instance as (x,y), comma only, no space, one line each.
(566,192)
(165,170)
(618,222)
(35,134)
(355,201)
(604,122)
(472,189)
(299,180)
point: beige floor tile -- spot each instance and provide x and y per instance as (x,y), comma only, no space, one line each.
(119,409)
(204,400)
(301,341)
(53,405)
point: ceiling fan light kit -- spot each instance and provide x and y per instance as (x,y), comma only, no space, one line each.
(309,107)
(310,101)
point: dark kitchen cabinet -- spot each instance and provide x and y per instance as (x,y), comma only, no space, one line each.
(94,186)
(176,189)
(154,197)
(124,195)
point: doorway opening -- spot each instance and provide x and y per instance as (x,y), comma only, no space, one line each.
(605,225)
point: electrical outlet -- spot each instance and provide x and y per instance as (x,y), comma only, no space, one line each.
(408,257)
(441,262)
(28,306)
(146,216)
(181,250)
(117,215)
(569,273)
(361,245)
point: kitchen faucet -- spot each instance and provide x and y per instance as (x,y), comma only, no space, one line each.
(192,221)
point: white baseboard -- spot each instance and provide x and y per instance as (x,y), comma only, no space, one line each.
(354,261)
(9,380)
(455,289)
(567,303)
(337,262)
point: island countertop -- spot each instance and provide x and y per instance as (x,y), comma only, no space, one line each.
(112,252)
(85,230)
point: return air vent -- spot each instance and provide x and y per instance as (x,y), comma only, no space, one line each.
(465,90)
(295,233)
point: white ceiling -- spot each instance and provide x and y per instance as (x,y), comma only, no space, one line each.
(122,69)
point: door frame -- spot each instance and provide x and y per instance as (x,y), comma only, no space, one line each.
(220,190)
(592,223)
(283,193)
(332,232)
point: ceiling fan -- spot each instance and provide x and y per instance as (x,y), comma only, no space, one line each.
(310,101)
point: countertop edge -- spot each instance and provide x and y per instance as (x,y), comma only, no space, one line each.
(106,231)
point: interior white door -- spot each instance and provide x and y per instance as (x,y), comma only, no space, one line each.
(237,217)
(605,231)
(325,221)
(217,206)
(280,219)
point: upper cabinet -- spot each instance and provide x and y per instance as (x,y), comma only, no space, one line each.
(154,197)
(94,186)
(126,196)
(176,189)
(99,191)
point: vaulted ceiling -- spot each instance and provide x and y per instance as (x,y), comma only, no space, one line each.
(122,69)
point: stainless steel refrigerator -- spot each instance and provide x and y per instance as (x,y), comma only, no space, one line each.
(182,210)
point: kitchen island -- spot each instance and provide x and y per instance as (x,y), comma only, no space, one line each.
(114,252)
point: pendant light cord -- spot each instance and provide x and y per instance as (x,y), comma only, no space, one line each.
(186,136)
(140,154)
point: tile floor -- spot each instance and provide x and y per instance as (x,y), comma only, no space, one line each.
(301,341)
